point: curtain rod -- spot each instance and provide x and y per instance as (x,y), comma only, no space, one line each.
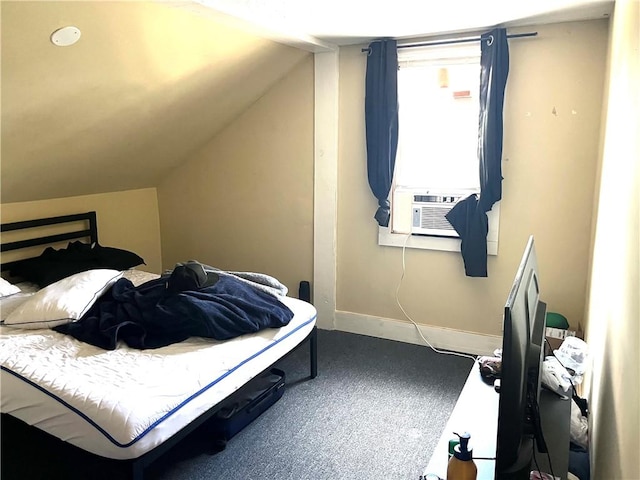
(460,40)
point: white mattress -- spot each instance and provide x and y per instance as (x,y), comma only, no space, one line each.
(122,403)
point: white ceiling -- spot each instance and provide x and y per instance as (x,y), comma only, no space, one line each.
(322,24)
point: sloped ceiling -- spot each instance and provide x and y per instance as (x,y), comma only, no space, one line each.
(144,87)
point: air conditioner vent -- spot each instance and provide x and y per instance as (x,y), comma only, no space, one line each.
(433,217)
(429,213)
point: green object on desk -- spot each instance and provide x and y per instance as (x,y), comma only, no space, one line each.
(556,320)
(452,444)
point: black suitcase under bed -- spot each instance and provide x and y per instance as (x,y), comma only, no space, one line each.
(245,405)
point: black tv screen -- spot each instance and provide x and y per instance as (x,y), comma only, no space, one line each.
(520,361)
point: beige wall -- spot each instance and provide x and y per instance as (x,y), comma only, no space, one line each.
(126,220)
(549,169)
(245,201)
(613,310)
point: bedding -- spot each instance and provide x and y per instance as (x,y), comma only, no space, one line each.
(122,403)
(7,288)
(153,315)
(64,301)
(10,302)
(53,265)
(158,391)
(125,403)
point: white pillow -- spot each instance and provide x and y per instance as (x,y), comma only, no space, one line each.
(7,288)
(64,301)
(10,303)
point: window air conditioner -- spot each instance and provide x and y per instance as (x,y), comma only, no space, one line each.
(422,211)
(428,212)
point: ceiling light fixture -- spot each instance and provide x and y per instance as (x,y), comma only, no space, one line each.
(65,36)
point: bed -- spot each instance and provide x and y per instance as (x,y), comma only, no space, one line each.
(128,405)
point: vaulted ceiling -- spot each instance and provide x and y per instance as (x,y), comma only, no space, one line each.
(146,85)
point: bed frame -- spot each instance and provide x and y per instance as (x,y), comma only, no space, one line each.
(91,232)
(135,466)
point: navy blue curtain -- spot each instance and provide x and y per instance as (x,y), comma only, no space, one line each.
(469,216)
(381,116)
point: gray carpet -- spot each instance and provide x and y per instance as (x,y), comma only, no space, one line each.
(376,410)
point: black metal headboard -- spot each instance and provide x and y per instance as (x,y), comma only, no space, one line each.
(91,232)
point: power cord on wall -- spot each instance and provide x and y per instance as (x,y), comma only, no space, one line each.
(444,352)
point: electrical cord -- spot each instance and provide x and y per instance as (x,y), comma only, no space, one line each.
(443,352)
(535,461)
(536,414)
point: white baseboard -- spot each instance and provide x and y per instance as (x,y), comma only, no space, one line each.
(440,338)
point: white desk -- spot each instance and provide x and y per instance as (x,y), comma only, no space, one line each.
(476,412)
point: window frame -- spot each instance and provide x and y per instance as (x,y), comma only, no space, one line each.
(433,242)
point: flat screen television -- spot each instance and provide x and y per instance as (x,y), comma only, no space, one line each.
(522,356)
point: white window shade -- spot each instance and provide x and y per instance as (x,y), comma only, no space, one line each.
(438,119)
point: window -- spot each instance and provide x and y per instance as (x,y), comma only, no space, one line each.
(438,118)
(437,158)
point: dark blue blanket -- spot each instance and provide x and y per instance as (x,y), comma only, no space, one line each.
(150,316)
